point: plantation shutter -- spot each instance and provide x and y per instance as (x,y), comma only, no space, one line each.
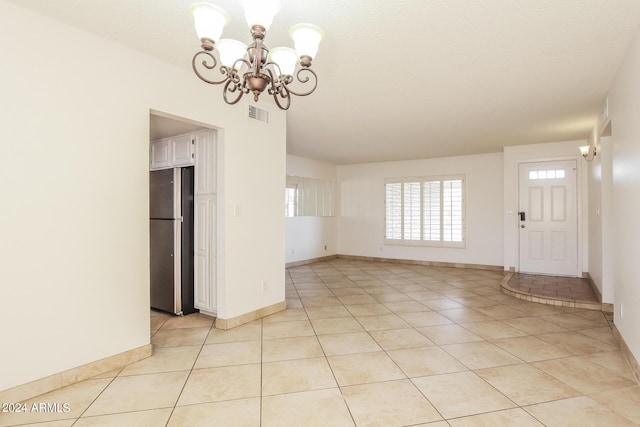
(452,210)
(393,217)
(412,211)
(431,210)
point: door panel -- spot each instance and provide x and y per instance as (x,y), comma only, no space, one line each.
(536,204)
(536,244)
(558,246)
(558,204)
(549,232)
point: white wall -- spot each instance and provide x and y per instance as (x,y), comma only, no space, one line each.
(594,172)
(306,236)
(361,222)
(74,220)
(254,240)
(515,155)
(601,218)
(624,112)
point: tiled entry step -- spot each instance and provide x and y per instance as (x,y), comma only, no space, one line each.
(554,290)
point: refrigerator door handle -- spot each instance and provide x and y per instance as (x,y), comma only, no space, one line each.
(177,262)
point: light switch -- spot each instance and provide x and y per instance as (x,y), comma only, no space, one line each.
(236,210)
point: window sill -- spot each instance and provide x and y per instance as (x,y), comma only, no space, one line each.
(425,243)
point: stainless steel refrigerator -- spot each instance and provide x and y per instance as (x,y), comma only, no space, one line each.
(171,229)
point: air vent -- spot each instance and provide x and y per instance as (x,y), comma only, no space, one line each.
(258,114)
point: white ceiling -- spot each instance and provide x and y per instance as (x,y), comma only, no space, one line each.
(162,127)
(402,79)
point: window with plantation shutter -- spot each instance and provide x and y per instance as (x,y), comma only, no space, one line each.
(427,211)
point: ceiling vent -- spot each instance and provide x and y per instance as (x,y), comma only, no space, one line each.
(258,114)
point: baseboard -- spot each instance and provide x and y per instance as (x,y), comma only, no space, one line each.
(593,285)
(249,317)
(626,352)
(310,261)
(424,263)
(396,261)
(74,375)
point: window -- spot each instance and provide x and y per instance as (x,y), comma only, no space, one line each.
(290,200)
(547,174)
(425,211)
(308,197)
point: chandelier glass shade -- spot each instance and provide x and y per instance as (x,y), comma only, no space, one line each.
(254,68)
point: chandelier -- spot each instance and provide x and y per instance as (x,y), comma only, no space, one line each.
(254,68)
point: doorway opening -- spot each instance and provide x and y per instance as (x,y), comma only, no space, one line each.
(183,259)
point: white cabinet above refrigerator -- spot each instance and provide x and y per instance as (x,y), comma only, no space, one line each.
(172,152)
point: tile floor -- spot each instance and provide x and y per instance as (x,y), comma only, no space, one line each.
(570,288)
(369,344)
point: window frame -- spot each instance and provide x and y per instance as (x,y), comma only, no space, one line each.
(403,241)
(293,188)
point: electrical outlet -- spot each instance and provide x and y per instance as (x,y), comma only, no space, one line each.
(264,285)
(621,311)
(325,247)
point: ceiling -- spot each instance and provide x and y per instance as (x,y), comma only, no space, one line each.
(162,127)
(406,79)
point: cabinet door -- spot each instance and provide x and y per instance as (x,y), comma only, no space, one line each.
(182,150)
(205,159)
(160,154)
(204,254)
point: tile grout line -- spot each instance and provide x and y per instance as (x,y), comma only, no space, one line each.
(190,372)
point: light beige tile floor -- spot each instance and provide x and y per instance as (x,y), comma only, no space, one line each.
(368,344)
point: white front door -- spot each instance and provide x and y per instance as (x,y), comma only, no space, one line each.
(548,218)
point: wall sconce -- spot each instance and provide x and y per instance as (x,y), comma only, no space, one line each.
(587,152)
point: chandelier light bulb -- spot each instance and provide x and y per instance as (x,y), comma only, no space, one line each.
(260,12)
(286,58)
(230,51)
(209,20)
(307,38)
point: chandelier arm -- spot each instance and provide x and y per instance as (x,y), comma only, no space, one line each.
(275,66)
(284,94)
(243,61)
(304,79)
(209,55)
(232,85)
(274,87)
